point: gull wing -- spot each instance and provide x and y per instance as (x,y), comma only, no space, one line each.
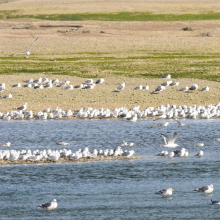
(33,44)
(119,87)
(178,122)
(155,124)
(203,189)
(172,140)
(166,138)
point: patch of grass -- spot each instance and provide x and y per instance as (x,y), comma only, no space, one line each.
(141,65)
(120,16)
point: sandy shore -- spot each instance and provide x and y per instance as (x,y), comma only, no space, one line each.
(103,95)
(66,160)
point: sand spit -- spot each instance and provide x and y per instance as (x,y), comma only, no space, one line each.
(67,160)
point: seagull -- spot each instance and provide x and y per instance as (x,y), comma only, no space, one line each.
(28,52)
(99,81)
(6,96)
(180,124)
(215,202)
(169,142)
(166,83)
(16,85)
(146,87)
(49,206)
(164,124)
(159,89)
(194,87)
(216,139)
(120,87)
(165,192)
(62,143)
(199,144)
(184,89)
(8,144)
(78,86)
(128,153)
(205,189)
(174,84)
(166,77)
(138,87)
(205,89)
(23,107)
(88,82)
(200,153)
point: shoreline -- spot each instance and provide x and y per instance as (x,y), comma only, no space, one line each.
(67,160)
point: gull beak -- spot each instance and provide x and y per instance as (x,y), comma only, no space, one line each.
(172,190)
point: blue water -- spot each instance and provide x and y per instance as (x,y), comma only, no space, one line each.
(111,189)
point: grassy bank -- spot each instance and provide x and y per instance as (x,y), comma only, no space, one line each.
(138,65)
(120,16)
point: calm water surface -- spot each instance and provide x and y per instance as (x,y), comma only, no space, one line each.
(111,189)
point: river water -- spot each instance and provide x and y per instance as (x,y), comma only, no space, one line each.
(111,189)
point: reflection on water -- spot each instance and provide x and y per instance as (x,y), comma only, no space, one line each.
(111,189)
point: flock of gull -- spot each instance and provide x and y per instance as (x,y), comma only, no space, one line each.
(161,112)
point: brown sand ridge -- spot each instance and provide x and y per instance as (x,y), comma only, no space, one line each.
(60,39)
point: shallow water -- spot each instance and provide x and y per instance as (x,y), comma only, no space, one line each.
(111,189)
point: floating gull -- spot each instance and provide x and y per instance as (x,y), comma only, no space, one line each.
(120,87)
(200,154)
(181,153)
(162,154)
(127,144)
(169,142)
(28,52)
(199,144)
(216,139)
(165,192)
(180,124)
(205,189)
(7,144)
(62,143)
(49,206)
(215,202)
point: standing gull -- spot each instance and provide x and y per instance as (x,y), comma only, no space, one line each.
(200,154)
(169,142)
(49,206)
(28,52)
(23,107)
(120,87)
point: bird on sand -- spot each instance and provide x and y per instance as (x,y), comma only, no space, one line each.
(165,192)
(170,142)
(28,52)
(49,206)
(23,107)
(120,87)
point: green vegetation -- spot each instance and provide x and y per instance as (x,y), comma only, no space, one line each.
(121,16)
(141,65)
